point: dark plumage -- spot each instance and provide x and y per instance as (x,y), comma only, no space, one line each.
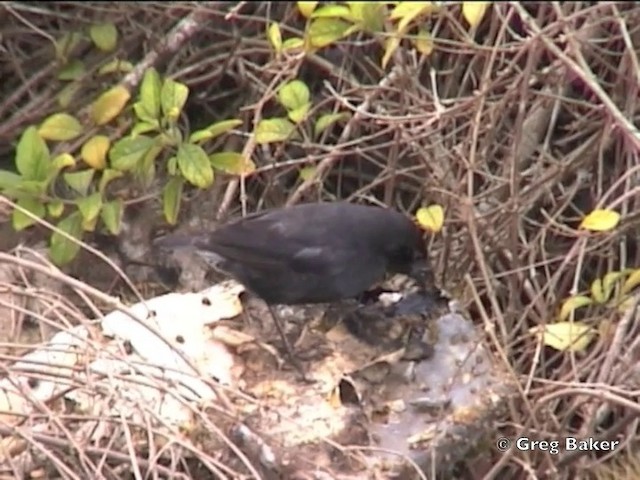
(311,253)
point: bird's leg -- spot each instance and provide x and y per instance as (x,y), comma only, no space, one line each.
(287,345)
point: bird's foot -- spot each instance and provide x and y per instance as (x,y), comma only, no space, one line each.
(301,375)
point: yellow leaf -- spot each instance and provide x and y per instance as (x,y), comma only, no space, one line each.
(601,220)
(573,303)
(334,398)
(109,104)
(94,151)
(306,8)
(60,127)
(390,46)
(474,11)
(609,281)
(632,282)
(424,42)
(597,292)
(357,10)
(626,304)
(233,163)
(275,37)
(412,9)
(62,161)
(565,336)
(431,218)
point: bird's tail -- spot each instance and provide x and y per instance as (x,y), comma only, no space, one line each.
(173,241)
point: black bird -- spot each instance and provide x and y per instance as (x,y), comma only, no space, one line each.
(311,253)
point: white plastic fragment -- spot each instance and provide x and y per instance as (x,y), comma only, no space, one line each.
(42,374)
(151,382)
(182,319)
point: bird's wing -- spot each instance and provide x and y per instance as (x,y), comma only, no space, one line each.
(272,242)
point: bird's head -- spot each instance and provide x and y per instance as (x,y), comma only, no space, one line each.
(407,253)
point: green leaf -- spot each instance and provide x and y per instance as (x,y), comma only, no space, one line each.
(172,166)
(111,215)
(171,136)
(214,130)
(21,220)
(273,130)
(144,127)
(307,173)
(333,11)
(275,37)
(60,127)
(145,171)
(108,175)
(150,94)
(326,120)
(67,94)
(90,206)
(104,36)
(65,45)
(94,151)
(109,105)
(325,31)
(368,14)
(26,189)
(32,156)
(172,98)
(115,66)
(306,8)
(294,94)
(55,208)
(62,250)
(89,225)
(292,44)
(299,114)
(9,179)
(171,198)
(79,181)
(127,152)
(73,70)
(232,162)
(194,165)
